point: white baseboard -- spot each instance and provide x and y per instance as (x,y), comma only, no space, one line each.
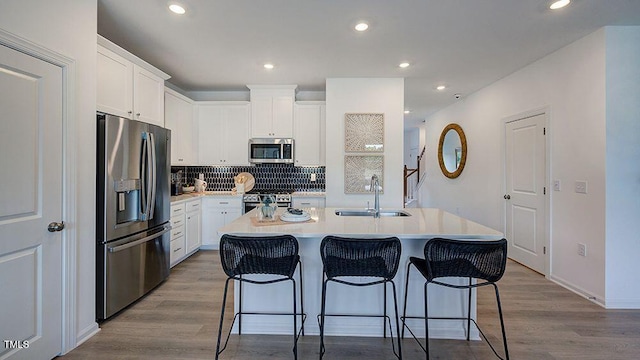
(210,247)
(622,303)
(86,334)
(598,299)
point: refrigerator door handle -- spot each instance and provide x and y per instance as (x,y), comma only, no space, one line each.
(147,175)
(152,178)
(143,178)
(165,230)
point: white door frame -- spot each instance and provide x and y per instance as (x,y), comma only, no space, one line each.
(546,111)
(69,174)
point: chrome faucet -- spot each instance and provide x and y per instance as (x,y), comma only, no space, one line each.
(375,187)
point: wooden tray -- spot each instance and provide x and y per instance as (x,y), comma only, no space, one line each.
(277,221)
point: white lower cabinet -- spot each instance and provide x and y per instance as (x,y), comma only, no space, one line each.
(193,226)
(217,212)
(307,201)
(185,230)
(178,244)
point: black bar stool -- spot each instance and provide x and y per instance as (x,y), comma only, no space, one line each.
(377,258)
(480,260)
(271,255)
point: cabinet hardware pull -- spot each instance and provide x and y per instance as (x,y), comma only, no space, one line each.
(178,249)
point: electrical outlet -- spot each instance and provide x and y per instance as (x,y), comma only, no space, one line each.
(556,185)
(582,249)
(201,176)
(581,187)
(313,177)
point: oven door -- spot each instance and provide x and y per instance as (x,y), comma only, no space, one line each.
(250,205)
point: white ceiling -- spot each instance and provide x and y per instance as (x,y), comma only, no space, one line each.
(221,45)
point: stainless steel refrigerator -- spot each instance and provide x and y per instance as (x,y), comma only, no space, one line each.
(132,211)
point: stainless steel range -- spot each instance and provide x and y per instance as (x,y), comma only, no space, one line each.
(253,199)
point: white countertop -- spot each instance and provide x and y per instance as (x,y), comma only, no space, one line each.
(193,195)
(423,224)
(308,194)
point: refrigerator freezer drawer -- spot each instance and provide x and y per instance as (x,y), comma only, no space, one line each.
(132,269)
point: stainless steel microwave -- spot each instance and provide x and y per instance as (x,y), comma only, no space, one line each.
(267,150)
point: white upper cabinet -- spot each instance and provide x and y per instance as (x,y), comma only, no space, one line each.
(148,96)
(128,86)
(179,118)
(272,111)
(115,84)
(309,133)
(223,133)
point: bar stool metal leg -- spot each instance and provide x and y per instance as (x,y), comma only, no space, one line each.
(404,308)
(322,312)
(426,319)
(224,304)
(469,313)
(504,334)
(301,295)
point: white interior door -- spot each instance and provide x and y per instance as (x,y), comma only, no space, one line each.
(30,199)
(525,155)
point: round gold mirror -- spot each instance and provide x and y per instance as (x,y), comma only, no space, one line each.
(452,151)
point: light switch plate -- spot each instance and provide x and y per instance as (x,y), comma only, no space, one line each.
(581,187)
(556,185)
(201,176)
(313,177)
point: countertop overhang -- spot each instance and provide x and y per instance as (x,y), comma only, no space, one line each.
(424,223)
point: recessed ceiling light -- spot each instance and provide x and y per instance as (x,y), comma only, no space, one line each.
(268,66)
(362,26)
(407,111)
(177,9)
(404,65)
(559,4)
(441,87)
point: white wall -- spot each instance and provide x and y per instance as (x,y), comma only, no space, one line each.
(623,167)
(571,84)
(69,28)
(365,95)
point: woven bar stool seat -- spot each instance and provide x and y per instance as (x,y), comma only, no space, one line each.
(377,259)
(482,261)
(266,255)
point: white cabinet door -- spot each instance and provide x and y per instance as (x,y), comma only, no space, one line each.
(223,134)
(217,212)
(114,84)
(236,135)
(148,96)
(210,135)
(282,125)
(308,135)
(272,111)
(212,220)
(261,116)
(193,231)
(128,90)
(179,119)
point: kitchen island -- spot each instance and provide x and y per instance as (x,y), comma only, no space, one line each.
(413,232)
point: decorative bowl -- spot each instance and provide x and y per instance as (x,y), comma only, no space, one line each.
(188,189)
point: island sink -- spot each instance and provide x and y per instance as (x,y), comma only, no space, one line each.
(370,212)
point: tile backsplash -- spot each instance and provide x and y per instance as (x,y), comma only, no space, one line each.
(268,176)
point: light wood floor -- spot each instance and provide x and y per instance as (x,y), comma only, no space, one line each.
(179,320)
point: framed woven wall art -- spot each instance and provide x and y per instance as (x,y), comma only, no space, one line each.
(364,133)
